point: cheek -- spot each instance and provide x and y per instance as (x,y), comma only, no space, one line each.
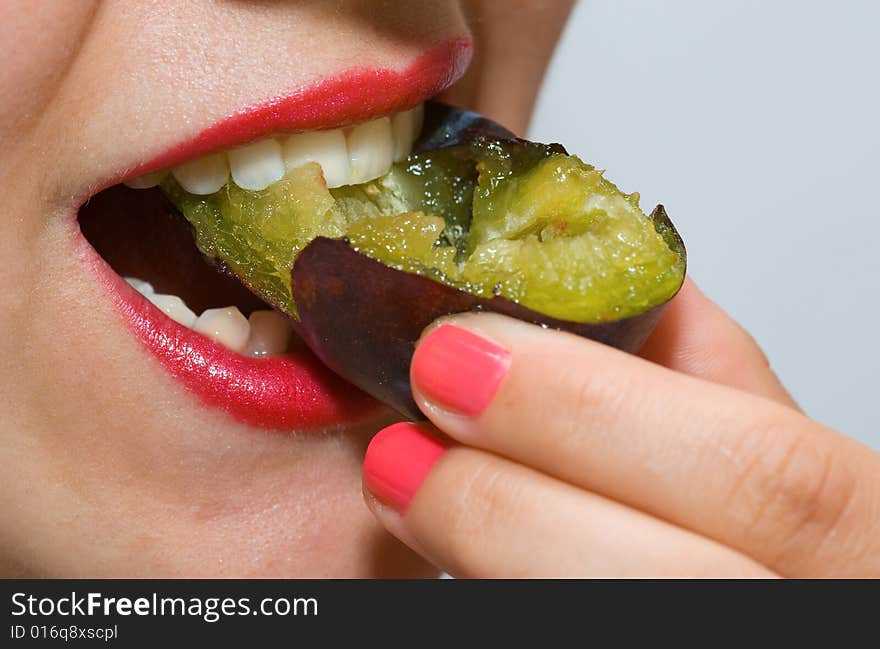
(36,48)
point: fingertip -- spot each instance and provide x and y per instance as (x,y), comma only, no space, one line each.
(397,461)
(458,369)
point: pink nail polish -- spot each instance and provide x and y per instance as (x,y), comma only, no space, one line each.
(459,370)
(398,459)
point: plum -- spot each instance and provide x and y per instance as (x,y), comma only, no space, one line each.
(474,219)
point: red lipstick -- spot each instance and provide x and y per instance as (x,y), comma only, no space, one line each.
(294,391)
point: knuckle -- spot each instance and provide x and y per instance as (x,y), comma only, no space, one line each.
(472,520)
(725,353)
(724,362)
(759,357)
(591,397)
(795,488)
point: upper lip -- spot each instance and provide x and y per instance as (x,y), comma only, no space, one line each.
(356,95)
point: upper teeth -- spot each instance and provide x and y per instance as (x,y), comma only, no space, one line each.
(264,333)
(256,166)
(347,156)
(370,149)
(204,175)
(328,148)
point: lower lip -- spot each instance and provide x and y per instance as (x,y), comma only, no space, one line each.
(290,392)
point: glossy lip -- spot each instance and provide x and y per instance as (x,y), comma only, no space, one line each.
(293,391)
(356,95)
(289,392)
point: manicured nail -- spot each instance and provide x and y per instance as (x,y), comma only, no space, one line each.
(398,459)
(459,370)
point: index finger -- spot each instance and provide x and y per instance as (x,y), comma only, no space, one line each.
(737,468)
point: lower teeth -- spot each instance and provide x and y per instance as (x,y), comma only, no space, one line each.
(264,333)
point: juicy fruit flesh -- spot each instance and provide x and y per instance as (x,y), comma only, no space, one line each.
(516,219)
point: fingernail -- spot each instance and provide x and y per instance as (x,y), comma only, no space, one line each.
(458,369)
(398,459)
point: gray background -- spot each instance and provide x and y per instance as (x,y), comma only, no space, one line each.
(756,124)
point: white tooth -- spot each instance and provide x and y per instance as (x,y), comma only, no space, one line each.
(405,128)
(204,175)
(142,287)
(327,148)
(258,165)
(270,333)
(227,326)
(144,182)
(174,308)
(369,150)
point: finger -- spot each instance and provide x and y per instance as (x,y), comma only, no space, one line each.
(697,337)
(752,474)
(474,514)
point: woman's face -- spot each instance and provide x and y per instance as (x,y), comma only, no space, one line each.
(132,445)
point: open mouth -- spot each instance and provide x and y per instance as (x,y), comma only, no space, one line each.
(227,346)
(146,242)
(358,237)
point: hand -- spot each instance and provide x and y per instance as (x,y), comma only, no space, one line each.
(560,457)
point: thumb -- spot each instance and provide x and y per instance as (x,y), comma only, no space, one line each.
(696,336)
